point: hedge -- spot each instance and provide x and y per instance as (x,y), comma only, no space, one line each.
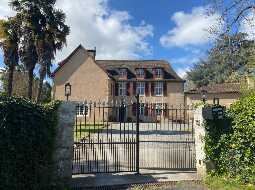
(27,132)
(230,143)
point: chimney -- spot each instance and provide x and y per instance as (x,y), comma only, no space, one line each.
(92,53)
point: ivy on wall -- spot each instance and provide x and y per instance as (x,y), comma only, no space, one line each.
(27,132)
(230,143)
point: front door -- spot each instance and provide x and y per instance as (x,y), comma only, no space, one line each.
(122,113)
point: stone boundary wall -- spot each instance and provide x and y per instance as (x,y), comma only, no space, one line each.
(63,151)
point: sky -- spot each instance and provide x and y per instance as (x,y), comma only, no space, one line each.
(172,30)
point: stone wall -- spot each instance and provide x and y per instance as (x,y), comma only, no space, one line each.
(63,152)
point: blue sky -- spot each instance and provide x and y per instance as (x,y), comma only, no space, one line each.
(175,30)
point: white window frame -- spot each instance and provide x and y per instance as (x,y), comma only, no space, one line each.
(142,110)
(80,110)
(122,88)
(158,72)
(140,88)
(159,89)
(140,72)
(123,72)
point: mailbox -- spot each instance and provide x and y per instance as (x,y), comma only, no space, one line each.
(213,113)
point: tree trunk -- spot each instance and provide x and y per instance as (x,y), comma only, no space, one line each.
(30,83)
(42,74)
(10,80)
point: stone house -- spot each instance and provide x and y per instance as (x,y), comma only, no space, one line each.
(115,81)
(225,94)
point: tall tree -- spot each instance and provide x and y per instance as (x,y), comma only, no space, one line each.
(43,33)
(226,61)
(9,42)
(52,37)
(28,11)
(234,13)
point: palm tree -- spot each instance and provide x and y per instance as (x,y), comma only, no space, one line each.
(9,41)
(52,38)
(43,33)
(28,12)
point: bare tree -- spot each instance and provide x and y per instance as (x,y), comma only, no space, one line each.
(234,13)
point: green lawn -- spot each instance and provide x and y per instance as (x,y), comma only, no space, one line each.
(221,183)
(210,183)
(82,131)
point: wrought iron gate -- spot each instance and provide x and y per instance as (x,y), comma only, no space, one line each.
(127,137)
(104,142)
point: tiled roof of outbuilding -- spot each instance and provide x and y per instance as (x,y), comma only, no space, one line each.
(217,88)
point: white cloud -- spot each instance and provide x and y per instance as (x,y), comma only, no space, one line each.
(191,28)
(182,71)
(94,24)
(248,26)
(185,60)
(5,10)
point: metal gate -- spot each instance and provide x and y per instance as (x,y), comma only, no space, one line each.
(167,142)
(104,142)
(129,136)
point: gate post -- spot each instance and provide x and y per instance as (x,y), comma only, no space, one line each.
(199,142)
(137,134)
(63,146)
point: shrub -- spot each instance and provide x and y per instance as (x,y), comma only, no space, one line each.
(230,143)
(27,132)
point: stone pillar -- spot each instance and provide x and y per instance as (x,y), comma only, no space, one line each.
(199,142)
(63,151)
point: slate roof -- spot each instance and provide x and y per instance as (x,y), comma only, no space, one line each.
(111,67)
(218,88)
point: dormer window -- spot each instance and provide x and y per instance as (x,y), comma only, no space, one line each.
(123,72)
(158,72)
(140,73)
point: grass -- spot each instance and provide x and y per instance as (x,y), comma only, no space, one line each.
(221,183)
(82,131)
(210,183)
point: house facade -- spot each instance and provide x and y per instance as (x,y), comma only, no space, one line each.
(115,81)
(224,94)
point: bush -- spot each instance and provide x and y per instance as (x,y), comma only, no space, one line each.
(27,132)
(230,143)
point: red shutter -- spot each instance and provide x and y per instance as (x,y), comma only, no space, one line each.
(165,88)
(146,109)
(152,88)
(134,109)
(131,88)
(134,88)
(128,89)
(116,89)
(146,89)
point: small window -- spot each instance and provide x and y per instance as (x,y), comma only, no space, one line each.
(82,110)
(142,110)
(158,72)
(123,72)
(140,72)
(159,88)
(140,88)
(122,88)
